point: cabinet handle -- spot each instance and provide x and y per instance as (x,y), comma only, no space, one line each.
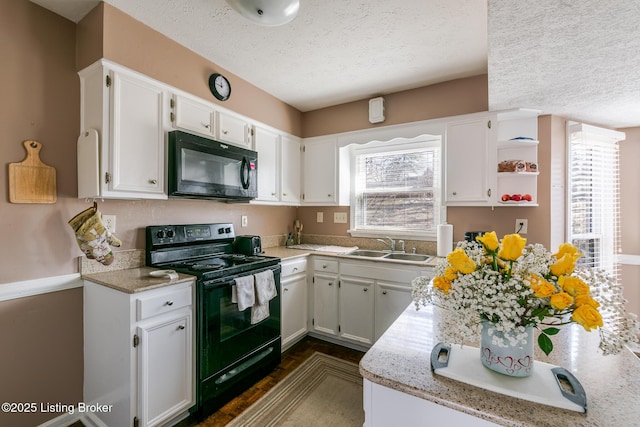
(153,181)
(206,126)
(295,269)
(454,193)
(324,265)
(273,194)
(225,131)
(286,289)
(181,327)
(330,283)
(284,194)
(169,303)
(365,289)
(384,292)
(328,195)
(489,192)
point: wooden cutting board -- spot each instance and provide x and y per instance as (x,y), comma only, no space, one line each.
(31,181)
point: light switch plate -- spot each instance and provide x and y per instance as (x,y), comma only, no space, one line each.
(340,217)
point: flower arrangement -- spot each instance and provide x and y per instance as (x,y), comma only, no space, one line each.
(514,285)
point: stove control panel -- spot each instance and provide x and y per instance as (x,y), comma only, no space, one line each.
(169,235)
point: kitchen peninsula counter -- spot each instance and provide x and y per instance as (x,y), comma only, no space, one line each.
(400,361)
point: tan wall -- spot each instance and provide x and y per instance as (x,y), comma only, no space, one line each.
(629,209)
(462,96)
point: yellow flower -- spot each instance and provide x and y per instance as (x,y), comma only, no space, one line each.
(561,300)
(450,274)
(565,264)
(567,248)
(586,299)
(573,285)
(440,282)
(460,261)
(512,245)
(587,316)
(489,240)
(542,288)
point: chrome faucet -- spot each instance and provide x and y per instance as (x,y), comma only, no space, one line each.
(391,243)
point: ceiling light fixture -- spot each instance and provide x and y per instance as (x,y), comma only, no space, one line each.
(269,13)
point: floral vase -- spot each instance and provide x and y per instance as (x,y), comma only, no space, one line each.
(512,360)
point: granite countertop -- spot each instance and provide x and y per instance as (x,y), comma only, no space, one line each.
(400,360)
(133,280)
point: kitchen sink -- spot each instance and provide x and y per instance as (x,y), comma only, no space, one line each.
(407,257)
(367,253)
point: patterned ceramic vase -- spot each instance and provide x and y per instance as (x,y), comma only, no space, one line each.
(515,361)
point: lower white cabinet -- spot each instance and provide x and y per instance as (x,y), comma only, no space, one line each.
(356,309)
(294,301)
(325,303)
(138,353)
(391,300)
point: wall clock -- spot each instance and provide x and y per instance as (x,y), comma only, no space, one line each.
(219,86)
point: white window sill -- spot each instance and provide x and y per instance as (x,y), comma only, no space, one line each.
(395,234)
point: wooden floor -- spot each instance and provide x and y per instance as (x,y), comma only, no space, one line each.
(291,359)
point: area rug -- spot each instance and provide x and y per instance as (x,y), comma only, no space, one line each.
(323,391)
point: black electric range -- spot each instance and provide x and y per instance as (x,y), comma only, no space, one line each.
(233,352)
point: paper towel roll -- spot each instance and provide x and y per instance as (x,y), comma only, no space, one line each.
(445,239)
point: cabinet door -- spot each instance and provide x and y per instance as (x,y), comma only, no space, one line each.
(467,163)
(137,136)
(192,115)
(266,144)
(165,370)
(294,309)
(391,300)
(320,172)
(325,304)
(356,309)
(290,169)
(233,129)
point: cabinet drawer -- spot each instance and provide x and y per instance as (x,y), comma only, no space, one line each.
(295,266)
(325,266)
(162,303)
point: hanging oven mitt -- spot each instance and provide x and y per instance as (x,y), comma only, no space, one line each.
(93,237)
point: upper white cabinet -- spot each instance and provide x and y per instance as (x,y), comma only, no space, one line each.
(192,115)
(290,159)
(125,111)
(266,143)
(320,171)
(467,161)
(233,129)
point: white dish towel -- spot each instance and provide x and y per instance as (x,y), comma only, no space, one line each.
(265,292)
(243,293)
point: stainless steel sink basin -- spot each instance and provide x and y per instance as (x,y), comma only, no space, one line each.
(407,257)
(367,253)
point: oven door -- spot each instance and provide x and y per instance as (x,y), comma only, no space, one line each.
(226,335)
(204,168)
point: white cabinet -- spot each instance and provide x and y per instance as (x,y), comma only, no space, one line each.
(392,299)
(233,129)
(290,178)
(517,143)
(267,144)
(138,353)
(126,109)
(294,301)
(325,296)
(320,171)
(356,309)
(467,159)
(192,115)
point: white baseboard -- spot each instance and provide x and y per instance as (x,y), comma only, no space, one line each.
(44,285)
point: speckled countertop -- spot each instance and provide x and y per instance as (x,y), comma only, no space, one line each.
(132,280)
(400,360)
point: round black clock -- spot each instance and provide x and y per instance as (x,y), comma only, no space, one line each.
(219,86)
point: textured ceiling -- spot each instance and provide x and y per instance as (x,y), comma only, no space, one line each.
(578,59)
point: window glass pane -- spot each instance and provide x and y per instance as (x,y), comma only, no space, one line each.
(408,210)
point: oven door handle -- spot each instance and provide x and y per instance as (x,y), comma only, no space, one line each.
(245,177)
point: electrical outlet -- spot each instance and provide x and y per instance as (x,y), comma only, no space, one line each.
(244,221)
(109,222)
(340,217)
(521,226)
(319,216)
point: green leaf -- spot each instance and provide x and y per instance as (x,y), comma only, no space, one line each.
(545,344)
(551,331)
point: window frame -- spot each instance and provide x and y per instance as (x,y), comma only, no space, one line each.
(423,141)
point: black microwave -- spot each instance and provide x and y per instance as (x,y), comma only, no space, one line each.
(200,167)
